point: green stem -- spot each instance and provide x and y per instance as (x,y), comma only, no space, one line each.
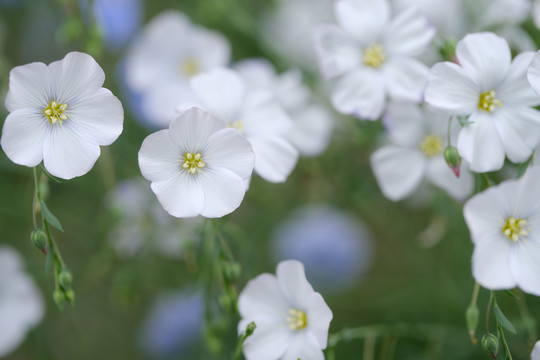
(449,129)
(503,340)
(476,290)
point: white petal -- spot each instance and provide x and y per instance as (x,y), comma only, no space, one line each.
(22,137)
(98,118)
(535,355)
(491,263)
(319,317)
(441,175)
(162,103)
(191,129)
(533,72)
(181,196)
(516,90)
(275,158)
(159,157)
(66,154)
(311,130)
(221,91)
(410,33)
(485,57)
(360,93)
(28,87)
(228,149)
(405,123)
(262,115)
(292,280)
(337,52)
(398,170)
(304,346)
(520,131)
(450,89)
(268,342)
(223,191)
(212,49)
(525,265)
(262,296)
(75,77)
(480,143)
(257,73)
(406,78)
(363,19)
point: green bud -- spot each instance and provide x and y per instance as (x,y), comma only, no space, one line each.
(70,296)
(491,345)
(453,159)
(232,271)
(59,298)
(472,316)
(225,302)
(39,239)
(250,329)
(65,279)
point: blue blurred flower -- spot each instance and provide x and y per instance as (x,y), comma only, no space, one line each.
(334,247)
(118,20)
(174,322)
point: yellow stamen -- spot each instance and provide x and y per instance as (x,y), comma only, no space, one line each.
(237,125)
(374,55)
(55,112)
(296,319)
(193,162)
(514,229)
(488,101)
(189,67)
(432,145)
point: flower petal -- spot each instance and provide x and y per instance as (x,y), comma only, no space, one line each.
(261,296)
(525,264)
(441,175)
(28,87)
(516,90)
(520,131)
(450,89)
(360,93)
(268,342)
(292,280)
(261,115)
(181,196)
(319,318)
(311,130)
(405,123)
(223,191)
(485,57)
(275,158)
(161,104)
(398,170)
(410,33)
(66,154)
(159,157)
(480,143)
(304,346)
(23,135)
(363,19)
(406,78)
(191,129)
(533,72)
(491,262)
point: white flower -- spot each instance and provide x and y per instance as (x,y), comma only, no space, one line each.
(535,355)
(311,123)
(493,92)
(372,56)
(292,319)
(254,113)
(504,222)
(197,166)
(60,114)
(21,303)
(418,139)
(168,53)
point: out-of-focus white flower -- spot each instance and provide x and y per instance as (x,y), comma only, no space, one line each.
(60,114)
(504,222)
(118,20)
(172,324)
(311,123)
(418,138)
(334,247)
(535,355)
(21,303)
(292,319)
(167,54)
(533,73)
(372,56)
(493,93)
(287,29)
(197,166)
(143,224)
(253,113)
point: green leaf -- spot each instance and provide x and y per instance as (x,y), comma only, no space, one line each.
(49,260)
(49,175)
(524,166)
(501,319)
(51,219)
(511,294)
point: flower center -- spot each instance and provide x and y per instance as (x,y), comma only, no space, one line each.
(432,145)
(374,55)
(514,229)
(193,163)
(189,67)
(488,101)
(237,125)
(55,112)
(296,319)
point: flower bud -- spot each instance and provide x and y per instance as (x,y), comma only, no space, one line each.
(250,329)
(453,159)
(39,239)
(232,271)
(70,296)
(59,298)
(65,279)
(471,316)
(491,345)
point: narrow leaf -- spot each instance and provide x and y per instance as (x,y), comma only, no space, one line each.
(524,166)
(49,175)
(501,319)
(51,219)
(511,294)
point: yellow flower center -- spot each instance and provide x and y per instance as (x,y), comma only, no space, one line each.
(55,112)
(237,125)
(296,319)
(432,145)
(514,229)
(193,162)
(189,67)
(488,101)
(374,55)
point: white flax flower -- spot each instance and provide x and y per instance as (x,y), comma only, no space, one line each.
(292,319)
(535,355)
(60,114)
(492,92)
(197,166)
(504,222)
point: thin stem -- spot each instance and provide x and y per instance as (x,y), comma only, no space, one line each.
(449,129)
(503,340)
(476,290)
(488,311)
(369,346)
